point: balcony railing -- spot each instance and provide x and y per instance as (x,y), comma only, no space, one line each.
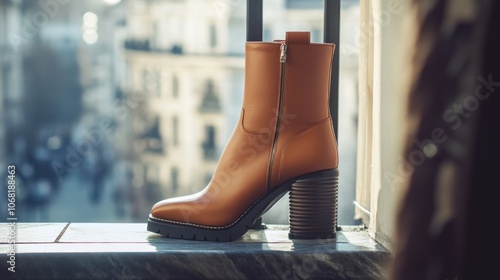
(209,152)
(210,105)
(144,45)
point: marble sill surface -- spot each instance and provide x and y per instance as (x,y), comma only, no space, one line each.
(128,251)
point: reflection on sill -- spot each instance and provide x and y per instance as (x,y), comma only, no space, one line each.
(112,250)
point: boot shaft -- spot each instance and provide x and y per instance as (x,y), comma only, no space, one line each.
(302,99)
(286,94)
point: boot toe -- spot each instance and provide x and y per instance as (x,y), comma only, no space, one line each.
(178,209)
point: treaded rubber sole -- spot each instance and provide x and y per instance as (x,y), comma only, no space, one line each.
(301,229)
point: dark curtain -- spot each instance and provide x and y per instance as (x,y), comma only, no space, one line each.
(447,220)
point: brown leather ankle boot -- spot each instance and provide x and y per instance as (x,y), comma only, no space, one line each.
(284,141)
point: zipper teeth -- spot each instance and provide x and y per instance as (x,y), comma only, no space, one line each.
(278,122)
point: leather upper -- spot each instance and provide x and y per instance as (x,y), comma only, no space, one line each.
(305,144)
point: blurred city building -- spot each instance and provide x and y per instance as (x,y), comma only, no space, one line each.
(11,117)
(185,63)
(108,106)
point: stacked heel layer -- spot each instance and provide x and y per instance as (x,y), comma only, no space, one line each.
(313,206)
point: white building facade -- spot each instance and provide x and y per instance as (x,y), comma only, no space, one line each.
(185,63)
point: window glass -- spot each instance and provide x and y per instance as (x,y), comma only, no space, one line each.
(175,131)
(174,179)
(112,105)
(213,36)
(175,86)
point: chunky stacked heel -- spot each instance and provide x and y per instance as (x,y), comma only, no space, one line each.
(313,206)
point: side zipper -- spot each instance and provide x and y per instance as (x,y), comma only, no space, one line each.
(283,48)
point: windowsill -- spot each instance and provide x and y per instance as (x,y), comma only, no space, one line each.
(128,251)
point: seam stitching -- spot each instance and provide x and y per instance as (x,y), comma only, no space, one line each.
(211,227)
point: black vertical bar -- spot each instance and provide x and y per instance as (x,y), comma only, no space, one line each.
(254,20)
(332,35)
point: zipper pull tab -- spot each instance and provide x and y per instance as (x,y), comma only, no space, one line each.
(283,53)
